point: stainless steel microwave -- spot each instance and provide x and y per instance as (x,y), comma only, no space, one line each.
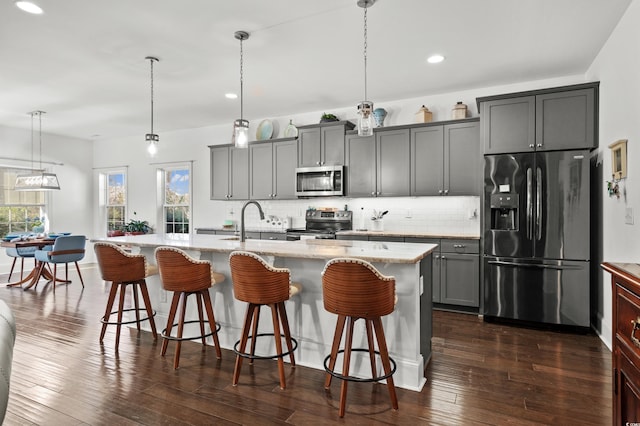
(321,181)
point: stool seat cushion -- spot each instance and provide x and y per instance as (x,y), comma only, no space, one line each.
(150,270)
(294,289)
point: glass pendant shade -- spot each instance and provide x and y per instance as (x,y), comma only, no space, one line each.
(241,133)
(37,181)
(153,139)
(365,118)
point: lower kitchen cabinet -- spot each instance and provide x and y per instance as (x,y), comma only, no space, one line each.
(456,271)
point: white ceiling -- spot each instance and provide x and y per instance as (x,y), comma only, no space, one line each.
(83,61)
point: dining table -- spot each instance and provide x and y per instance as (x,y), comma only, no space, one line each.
(39,270)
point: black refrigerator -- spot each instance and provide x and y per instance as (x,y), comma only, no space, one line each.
(537,237)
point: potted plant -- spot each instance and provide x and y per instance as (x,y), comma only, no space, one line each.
(325,118)
(137,227)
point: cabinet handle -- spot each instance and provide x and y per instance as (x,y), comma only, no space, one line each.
(317,163)
(446,192)
(440,191)
(636,326)
(539,145)
(531,145)
(378,193)
(373,193)
(459,246)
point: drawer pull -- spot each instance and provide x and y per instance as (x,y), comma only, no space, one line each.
(636,326)
(459,246)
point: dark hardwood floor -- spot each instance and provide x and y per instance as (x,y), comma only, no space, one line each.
(480,373)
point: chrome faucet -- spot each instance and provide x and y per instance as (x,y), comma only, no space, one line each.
(242,233)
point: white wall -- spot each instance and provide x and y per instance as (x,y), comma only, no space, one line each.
(617,66)
(70,209)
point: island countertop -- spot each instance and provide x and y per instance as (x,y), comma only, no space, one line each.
(384,252)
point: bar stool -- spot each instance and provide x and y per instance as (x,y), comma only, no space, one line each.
(354,289)
(258,283)
(184,276)
(123,269)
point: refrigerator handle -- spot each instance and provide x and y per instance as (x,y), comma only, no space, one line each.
(538,203)
(533,265)
(529,204)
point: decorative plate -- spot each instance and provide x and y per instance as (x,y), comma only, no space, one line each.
(265,130)
(291,131)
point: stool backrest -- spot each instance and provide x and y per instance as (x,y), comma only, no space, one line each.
(353,287)
(116,265)
(180,272)
(255,281)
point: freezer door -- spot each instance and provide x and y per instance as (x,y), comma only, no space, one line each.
(561,209)
(509,174)
(554,292)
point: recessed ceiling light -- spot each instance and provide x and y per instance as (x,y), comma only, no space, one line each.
(231,96)
(29,7)
(435,59)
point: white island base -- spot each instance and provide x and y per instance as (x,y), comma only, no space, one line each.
(408,329)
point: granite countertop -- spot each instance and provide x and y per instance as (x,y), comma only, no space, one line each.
(408,234)
(306,249)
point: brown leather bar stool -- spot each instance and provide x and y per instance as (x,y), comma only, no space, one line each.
(354,289)
(184,276)
(258,283)
(123,269)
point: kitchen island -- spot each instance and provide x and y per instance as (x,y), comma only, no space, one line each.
(408,328)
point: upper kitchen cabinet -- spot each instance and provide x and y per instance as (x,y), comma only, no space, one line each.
(322,144)
(446,159)
(229,173)
(273,166)
(542,120)
(378,165)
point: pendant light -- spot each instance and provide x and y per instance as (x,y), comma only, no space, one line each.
(152,138)
(241,126)
(365,108)
(37,180)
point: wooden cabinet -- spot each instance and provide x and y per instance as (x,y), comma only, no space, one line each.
(378,165)
(229,173)
(273,166)
(625,285)
(446,159)
(322,144)
(543,120)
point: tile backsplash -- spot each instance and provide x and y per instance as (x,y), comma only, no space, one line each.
(446,215)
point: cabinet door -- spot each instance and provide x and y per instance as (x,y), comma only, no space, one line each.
(460,279)
(508,125)
(426,161)
(393,165)
(309,147)
(284,169)
(332,145)
(435,269)
(565,120)
(361,166)
(220,173)
(462,159)
(239,163)
(261,161)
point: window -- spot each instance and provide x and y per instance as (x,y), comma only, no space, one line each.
(116,200)
(177,199)
(20,211)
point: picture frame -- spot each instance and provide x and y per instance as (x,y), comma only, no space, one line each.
(619,159)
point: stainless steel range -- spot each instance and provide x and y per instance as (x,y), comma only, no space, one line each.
(322,224)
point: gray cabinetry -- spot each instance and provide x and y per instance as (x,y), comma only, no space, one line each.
(322,144)
(446,160)
(229,173)
(543,120)
(273,169)
(456,271)
(378,166)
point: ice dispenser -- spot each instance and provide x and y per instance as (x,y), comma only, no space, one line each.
(504,212)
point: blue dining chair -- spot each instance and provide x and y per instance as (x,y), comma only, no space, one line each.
(19,253)
(66,249)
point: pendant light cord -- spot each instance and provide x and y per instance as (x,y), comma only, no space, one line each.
(40,135)
(32,114)
(151,60)
(365,54)
(241,80)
